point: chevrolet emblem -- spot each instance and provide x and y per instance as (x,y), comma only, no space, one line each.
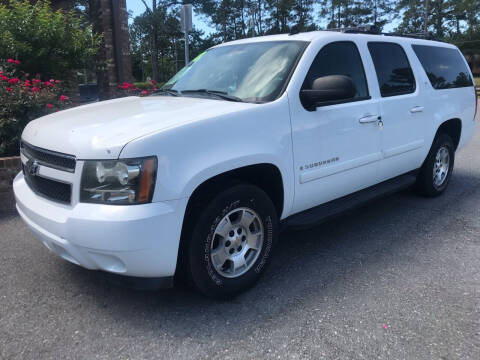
(31,167)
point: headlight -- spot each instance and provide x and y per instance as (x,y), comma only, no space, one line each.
(118,182)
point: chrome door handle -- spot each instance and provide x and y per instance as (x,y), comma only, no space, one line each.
(369,119)
(416,109)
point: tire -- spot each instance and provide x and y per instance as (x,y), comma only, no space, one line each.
(210,241)
(434,184)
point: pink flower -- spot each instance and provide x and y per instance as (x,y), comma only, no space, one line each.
(4,78)
(11,61)
(144,92)
(36,81)
(49,106)
(9,89)
(13,81)
(63,98)
(125,86)
(35,89)
(52,80)
(57,81)
(385,326)
(28,83)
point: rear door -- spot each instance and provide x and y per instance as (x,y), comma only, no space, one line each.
(402,109)
(449,89)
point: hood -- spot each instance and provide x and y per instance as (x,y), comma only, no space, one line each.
(101,130)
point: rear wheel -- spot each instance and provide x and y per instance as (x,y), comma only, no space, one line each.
(435,174)
(230,241)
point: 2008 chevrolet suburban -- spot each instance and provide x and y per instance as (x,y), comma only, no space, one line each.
(251,135)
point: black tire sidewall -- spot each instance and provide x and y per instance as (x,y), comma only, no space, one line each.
(427,181)
(202,271)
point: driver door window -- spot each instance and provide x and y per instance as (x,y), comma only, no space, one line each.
(339,58)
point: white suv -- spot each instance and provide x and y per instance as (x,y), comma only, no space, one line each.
(254,135)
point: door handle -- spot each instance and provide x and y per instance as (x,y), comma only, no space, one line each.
(369,119)
(416,109)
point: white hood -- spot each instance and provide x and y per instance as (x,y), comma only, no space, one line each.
(101,130)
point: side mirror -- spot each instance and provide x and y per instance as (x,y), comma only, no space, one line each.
(328,89)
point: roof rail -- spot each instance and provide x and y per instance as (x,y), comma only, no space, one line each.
(420,35)
(361,29)
(375,30)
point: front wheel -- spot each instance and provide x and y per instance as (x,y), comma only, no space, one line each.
(230,244)
(438,167)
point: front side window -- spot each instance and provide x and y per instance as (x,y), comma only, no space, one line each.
(445,67)
(339,58)
(395,76)
(253,72)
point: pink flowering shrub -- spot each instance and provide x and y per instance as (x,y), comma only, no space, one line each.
(128,89)
(24,98)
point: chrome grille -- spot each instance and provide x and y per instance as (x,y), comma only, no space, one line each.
(48,188)
(49,158)
(33,158)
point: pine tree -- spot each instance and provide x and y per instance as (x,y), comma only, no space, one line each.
(280,15)
(381,11)
(347,13)
(413,14)
(303,12)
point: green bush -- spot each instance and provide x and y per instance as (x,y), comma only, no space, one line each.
(51,43)
(146,85)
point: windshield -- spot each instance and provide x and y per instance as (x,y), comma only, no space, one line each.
(254,72)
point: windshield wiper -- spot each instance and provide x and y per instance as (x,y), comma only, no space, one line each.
(219,94)
(168,91)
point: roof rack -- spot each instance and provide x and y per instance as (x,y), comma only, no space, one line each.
(361,29)
(375,30)
(420,35)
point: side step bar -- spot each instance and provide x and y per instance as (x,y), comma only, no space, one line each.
(331,209)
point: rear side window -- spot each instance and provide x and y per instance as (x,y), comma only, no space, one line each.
(339,58)
(395,76)
(444,66)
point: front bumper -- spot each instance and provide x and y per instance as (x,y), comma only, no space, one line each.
(134,240)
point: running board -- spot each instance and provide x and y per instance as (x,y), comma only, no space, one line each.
(324,212)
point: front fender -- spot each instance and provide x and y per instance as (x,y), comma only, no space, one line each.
(192,153)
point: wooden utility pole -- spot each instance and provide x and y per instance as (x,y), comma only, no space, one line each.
(154,41)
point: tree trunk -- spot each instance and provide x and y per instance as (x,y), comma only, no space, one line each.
(113,63)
